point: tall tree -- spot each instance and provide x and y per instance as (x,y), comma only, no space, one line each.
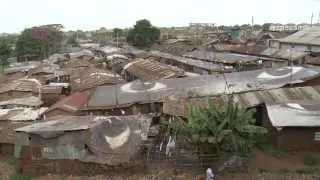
(143,34)
(5,51)
(39,41)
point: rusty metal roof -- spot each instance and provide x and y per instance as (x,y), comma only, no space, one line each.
(178,107)
(221,57)
(25,85)
(309,35)
(205,85)
(21,114)
(26,101)
(294,114)
(147,70)
(188,61)
(92,77)
(283,54)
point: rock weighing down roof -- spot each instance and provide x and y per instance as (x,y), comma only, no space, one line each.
(294,114)
(206,85)
(146,70)
(109,139)
(309,36)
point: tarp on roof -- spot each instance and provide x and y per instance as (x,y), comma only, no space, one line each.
(110,140)
(198,86)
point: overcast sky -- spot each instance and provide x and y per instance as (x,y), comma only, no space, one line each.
(16,15)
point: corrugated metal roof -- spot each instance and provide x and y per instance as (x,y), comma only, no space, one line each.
(27,101)
(306,36)
(178,107)
(205,85)
(21,114)
(25,85)
(294,114)
(147,70)
(283,54)
(188,61)
(92,77)
(219,57)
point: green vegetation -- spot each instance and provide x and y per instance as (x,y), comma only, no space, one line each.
(73,41)
(5,52)
(143,34)
(16,176)
(117,32)
(311,160)
(39,41)
(225,126)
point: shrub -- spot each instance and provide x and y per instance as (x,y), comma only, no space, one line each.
(16,176)
(310,160)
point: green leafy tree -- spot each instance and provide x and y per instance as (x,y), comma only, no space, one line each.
(143,34)
(39,41)
(73,41)
(117,32)
(225,126)
(5,51)
(266,26)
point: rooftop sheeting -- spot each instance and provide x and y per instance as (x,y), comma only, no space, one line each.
(110,139)
(21,114)
(27,101)
(24,85)
(178,107)
(205,85)
(227,58)
(309,36)
(92,77)
(192,62)
(283,54)
(294,114)
(147,70)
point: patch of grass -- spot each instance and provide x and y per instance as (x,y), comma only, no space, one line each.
(16,176)
(311,159)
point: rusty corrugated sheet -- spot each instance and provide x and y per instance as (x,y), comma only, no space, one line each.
(146,69)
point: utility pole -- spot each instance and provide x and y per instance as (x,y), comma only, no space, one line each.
(252,23)
(311,19)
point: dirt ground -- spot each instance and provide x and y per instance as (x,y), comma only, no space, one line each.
(262,166)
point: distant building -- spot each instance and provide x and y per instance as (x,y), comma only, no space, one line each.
(305,40)
(287,27)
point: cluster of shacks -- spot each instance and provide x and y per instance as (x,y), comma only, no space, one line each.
(102,105)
